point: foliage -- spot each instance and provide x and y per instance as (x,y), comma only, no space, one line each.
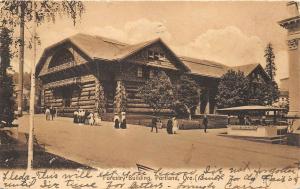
(187,95)
(273,91)
(120,101)
(13,12)
(158,92)
(6,82)
(232,90)
(270,64)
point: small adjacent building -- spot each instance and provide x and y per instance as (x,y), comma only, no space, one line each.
(73,71)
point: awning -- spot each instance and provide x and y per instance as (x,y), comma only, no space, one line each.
(250,108)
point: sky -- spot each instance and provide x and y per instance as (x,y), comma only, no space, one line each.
(232,33)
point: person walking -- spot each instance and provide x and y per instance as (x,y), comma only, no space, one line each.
(174,125)
(52,112)
(75,116)
(154,124)
(47,112)
(205,122)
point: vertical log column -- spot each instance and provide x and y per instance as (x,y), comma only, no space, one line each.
(120,98)
(99,97)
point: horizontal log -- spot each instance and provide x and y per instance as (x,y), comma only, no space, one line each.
(132,105)
(135,100)
(87,85)
(83,103)
(75,99)
(87,93)
(88,89)
(55,100)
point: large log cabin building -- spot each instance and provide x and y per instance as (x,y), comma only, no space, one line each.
(71,71)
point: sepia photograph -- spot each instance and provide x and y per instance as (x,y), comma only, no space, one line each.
(149,94)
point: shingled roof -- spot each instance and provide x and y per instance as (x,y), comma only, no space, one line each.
(97,47)
(204,67)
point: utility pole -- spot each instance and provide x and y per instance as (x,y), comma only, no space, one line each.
(32,94)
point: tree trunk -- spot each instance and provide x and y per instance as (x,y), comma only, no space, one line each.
(21,59)
(32,96)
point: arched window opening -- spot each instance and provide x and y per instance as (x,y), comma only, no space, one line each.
(61,57)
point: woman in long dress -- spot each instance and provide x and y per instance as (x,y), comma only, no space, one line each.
(117,121)
(175,125)
(91,118)
(169,126)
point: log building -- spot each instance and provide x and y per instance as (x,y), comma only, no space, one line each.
(75,70)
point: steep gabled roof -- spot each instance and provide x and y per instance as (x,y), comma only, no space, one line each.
(96,47)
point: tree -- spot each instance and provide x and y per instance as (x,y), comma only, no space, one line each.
(6,81)
(273,91)
(158,92)
(270,64)
(232,90)
(187,95)
(15,13)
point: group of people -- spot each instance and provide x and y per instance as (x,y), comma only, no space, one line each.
(50,113)
(85,117)
(172,124)
(120,123)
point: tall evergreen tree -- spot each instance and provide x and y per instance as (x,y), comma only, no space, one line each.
(273,91)
(6,81)
(270,64)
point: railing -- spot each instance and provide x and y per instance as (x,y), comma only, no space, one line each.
(61,67)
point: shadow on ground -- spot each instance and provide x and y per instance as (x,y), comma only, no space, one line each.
(13,155)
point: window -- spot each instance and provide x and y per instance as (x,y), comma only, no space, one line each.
(61,57)
(150,55)
(156,56)
(139,72)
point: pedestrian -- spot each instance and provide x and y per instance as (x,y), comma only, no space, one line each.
(80,116)
(97,119)
(174,125)
(154,124)
(91,118)
(75,116)
(123,124)
(205,122)
(159,123)
(47,112)
(52,112)
(169,126)
(86,115)
(116,121)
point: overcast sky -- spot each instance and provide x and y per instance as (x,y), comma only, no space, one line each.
(232,33)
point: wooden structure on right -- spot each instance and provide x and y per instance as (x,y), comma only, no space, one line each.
(259,123)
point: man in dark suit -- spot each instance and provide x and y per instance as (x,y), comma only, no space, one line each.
(205,122)
(153,124)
